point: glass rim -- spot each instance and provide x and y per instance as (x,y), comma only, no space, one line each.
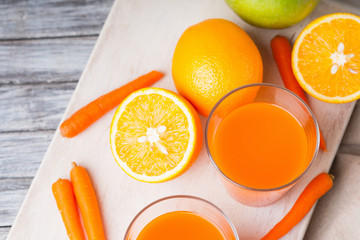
(181,197)
(277,87)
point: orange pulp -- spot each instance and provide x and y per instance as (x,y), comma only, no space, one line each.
(180,225)
(260,145)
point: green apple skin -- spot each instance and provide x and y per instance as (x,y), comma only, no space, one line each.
(272,13)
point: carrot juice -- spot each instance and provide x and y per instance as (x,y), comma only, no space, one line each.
(180,225)
(260,145)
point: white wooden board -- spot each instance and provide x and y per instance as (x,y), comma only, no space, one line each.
(140,36)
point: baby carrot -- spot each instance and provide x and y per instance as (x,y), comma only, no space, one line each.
(313,191)
(65,200)
(87,202)
(281,50)
(87,115)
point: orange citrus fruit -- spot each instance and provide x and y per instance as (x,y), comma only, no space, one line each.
(155,135)
(326,58)
(212,58)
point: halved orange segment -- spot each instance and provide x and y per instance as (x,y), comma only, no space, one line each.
(155,135)
(326,58)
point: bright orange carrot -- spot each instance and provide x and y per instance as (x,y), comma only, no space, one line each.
(65,200)
(313,191)
(87,202)
(322,142)
(87,115)
(281,50)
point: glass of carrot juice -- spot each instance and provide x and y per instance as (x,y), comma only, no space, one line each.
(262,139)
(181,217)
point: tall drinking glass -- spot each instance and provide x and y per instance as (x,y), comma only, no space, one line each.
(262,139)
(182,203)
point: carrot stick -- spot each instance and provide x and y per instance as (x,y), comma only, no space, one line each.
(313,191)
(281,50)
(65,200)
(87,115)
(87,202)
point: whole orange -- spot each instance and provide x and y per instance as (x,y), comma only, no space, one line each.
(212,58)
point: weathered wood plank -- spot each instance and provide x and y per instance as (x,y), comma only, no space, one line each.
(349,149)
(338,213)
(33,107)
(47,60)
(350,143)
(4,231)
(12,193)
(354,3)
(352,134)
(22,152)
(52,18)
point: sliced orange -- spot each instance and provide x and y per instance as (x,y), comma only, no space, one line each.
(155,135)
(326,58)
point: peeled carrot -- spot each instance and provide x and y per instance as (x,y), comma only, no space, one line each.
(281,50)
(313,191)
(65,200)
(322,142)
(87,202)
(87,115)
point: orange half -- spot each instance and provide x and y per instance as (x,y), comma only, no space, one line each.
(326,58)
(155,135)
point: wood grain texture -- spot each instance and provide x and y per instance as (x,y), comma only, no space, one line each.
(352,134)
(33,107)
(350,149)
(338,213)
(52,18)
(122,53)
(22,152)
(4,230)
(350,143)
(33,62)
(12,191)
(54,53)
(354,3)
(44,60)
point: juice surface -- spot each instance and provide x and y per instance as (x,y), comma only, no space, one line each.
(180,225)
(260,145)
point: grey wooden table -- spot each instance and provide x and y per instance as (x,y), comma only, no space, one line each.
(44,46)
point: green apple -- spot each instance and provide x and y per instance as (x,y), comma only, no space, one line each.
(272,13)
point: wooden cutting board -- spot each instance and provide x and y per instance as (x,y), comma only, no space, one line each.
(137,37)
